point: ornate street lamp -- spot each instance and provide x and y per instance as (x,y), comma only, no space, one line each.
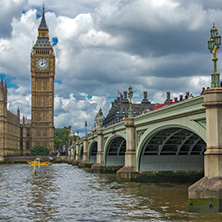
(77,135)
(100,120)
(86,128)
(213,45)
(130,94)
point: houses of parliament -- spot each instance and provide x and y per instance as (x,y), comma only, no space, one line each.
(18,136)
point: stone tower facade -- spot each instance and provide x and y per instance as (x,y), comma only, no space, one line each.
(3,118)
(43,74)
(9,127)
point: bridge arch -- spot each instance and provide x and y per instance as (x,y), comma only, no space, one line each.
(74,153)
(178,151)
(92,151)
(81,152)
(114,152)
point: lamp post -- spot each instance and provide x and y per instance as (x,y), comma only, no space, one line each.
(130,94)
(77,135)
(86,128)
(100,120)
(213,45)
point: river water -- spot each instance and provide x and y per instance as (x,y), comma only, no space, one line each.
(63,192)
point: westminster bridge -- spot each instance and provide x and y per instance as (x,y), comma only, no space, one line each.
(172,138)
(176,141)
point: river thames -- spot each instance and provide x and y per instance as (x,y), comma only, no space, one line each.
(63,192)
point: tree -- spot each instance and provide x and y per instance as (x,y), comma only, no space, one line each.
(62,137)
(40,150)
(74,138)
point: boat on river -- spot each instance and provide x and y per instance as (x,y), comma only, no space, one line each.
(37,162)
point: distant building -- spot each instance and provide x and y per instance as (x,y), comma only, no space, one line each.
(120,106)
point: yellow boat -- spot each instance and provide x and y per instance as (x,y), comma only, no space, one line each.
(32,163)
(37,163)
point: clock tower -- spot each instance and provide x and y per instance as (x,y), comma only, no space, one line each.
(43,74)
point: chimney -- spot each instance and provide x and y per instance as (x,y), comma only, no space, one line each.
(145,95)
(125,94)
(168,96)
(115,102)
(121,98)
(125,97)
(145,100)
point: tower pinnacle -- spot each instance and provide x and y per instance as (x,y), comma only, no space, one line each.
(43,25)
(43,33)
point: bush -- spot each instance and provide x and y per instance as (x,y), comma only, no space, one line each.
(39,149)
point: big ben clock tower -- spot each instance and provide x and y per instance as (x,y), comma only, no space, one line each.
(43,74)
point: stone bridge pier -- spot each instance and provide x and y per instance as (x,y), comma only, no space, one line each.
(84,162)
(206,194)
(76,154)
(99,165)
(129,170)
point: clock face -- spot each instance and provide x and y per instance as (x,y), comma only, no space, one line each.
(42,63)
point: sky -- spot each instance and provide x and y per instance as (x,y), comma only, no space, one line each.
(103,46)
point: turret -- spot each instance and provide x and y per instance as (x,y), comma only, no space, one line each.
(3,99)
(18,113)
(1,82)
(3,92)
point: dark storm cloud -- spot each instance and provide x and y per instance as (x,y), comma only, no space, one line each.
(212,4)
(144,38)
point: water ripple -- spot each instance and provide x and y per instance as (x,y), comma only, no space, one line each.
(62,192)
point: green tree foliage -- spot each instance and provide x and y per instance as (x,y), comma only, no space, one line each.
(39,149)
(62,137)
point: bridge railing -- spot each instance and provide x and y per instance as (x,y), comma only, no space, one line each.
(193,105)
(92,136)
(114,128)
(189,107)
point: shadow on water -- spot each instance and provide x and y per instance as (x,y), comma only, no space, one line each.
(63,192)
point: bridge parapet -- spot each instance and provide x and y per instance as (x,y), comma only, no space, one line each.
(177,110)
(92,137)
(114,128)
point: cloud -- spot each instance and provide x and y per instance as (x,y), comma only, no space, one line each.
(76,112)
(104,46)
(9,9)
(15,50)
